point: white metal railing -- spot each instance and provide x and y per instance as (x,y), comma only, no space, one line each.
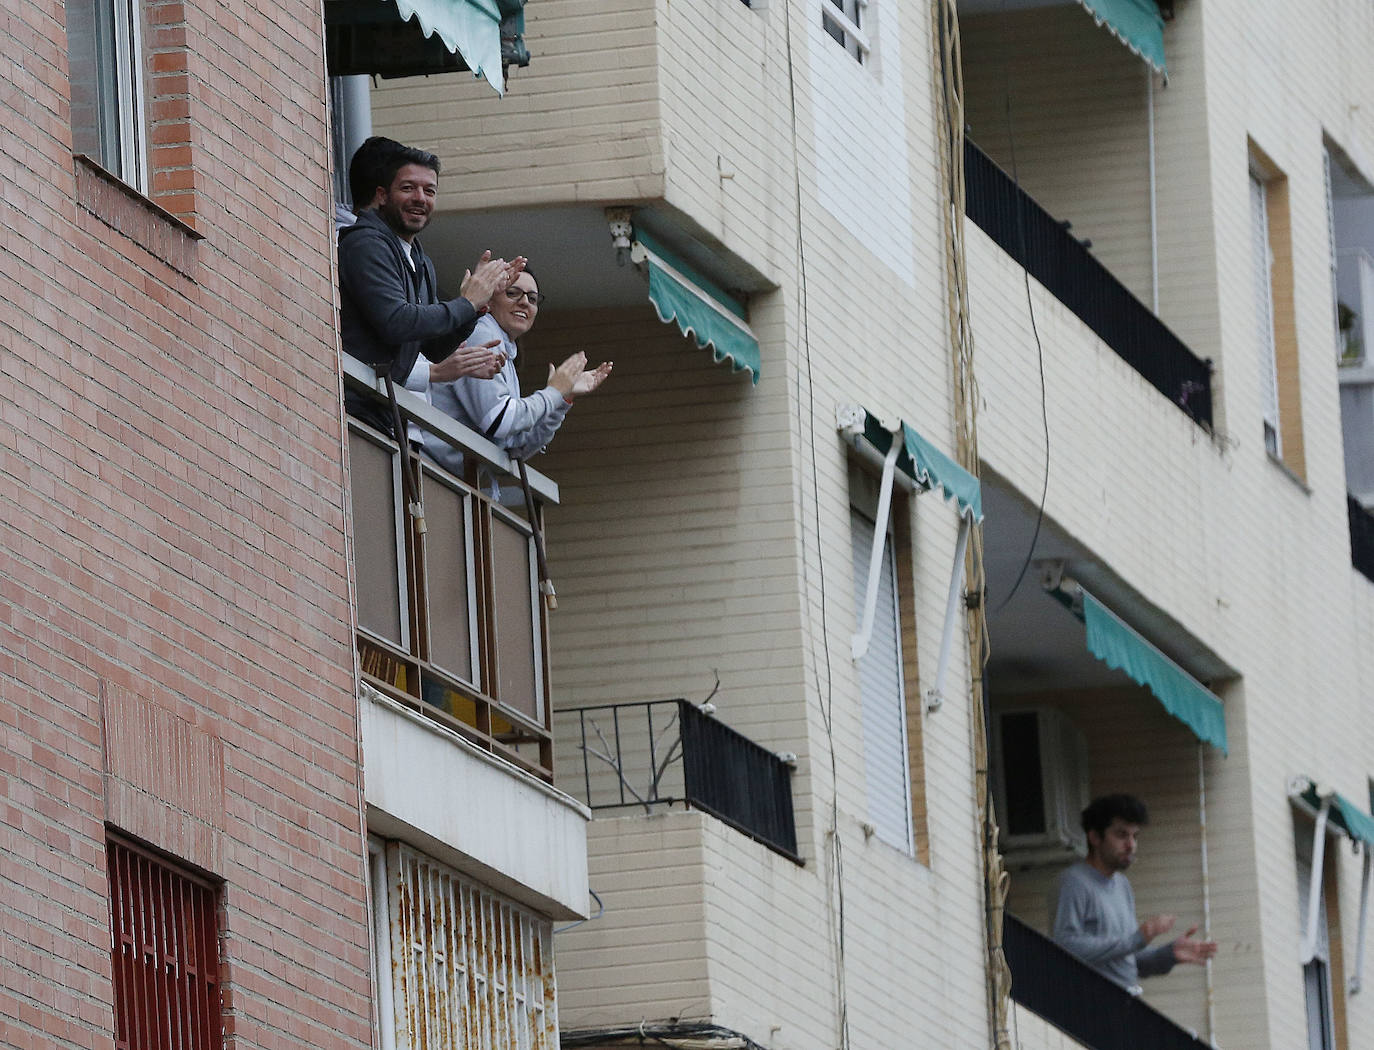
(469,969)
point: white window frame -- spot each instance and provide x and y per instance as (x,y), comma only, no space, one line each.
(865,531)
(121,110)
(847,18)
(1263,264)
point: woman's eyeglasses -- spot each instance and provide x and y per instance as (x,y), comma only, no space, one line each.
(515,294)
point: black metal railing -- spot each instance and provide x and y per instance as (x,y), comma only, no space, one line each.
(1050,254)
(1075,998)
(668,752)
(1361,537)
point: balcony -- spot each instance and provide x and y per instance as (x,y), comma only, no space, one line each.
(668,752)
(1361,537)
(451,622)
(1050,254)
(1075,998)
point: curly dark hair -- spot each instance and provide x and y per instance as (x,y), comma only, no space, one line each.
(1102,811)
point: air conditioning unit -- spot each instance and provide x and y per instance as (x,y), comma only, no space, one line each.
(1040,784)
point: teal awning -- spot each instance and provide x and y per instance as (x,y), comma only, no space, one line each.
(424,37)
(928,467)
(1119,646)
(1136,23)
(703,310)
(1343,813)
(471,28)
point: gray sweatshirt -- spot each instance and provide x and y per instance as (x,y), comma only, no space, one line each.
(494,408)
(1093,916)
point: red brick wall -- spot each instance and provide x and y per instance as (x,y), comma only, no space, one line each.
(175,641)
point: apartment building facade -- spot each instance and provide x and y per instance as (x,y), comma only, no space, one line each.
(1158,199)
(215,833)
(1043,320)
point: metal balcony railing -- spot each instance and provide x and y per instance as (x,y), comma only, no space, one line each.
(666,752)
(1075,998)
(1361,537)
(450,618)
(1056,259)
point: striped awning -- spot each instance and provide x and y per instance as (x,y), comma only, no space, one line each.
(703,311)
(1136,23)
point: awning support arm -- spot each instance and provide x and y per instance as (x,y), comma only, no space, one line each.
(1314,890)
(1356,980)
(859,643)
(935,695)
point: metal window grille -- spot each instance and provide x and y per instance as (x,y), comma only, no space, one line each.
(469,970)
(164,946)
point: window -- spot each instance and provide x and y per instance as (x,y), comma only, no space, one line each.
(1323,973)
(1276,326)
(842,20)
(104,49)
(457,967)
(892,752)
(434,625)
(164,950)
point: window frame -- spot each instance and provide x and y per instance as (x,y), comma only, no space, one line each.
(897,561)
(147,893)
(843,21)
(119,81)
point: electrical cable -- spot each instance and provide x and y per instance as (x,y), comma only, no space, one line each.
(1035,331)
(948,92)
(825,694)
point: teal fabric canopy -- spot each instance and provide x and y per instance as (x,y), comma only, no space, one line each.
(1347,816)
(1119,646)
(703,310)
(1136,23)
(926,465)
(471,28)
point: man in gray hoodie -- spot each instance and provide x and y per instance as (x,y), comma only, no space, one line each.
(389,308)
(1092,910)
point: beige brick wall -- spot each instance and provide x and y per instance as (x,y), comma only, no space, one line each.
(580,123)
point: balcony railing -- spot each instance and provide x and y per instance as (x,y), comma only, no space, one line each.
(666,752)
(1361,537)
(450,619)
(1075,998)
(1056,259)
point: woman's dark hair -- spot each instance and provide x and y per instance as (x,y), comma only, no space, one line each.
(1102,811)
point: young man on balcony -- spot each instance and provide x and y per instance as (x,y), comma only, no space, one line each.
(389,307)
(1092,910)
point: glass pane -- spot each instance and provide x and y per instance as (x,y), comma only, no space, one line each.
(450,600)
(516,684)
(1021,774)
(94,71)
(373,490)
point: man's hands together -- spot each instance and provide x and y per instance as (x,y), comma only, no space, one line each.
(480,362)
(1186,948)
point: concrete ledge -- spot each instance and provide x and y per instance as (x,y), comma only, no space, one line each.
(428,786)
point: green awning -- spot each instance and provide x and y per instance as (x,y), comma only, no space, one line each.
(471,28)
(928,467)
(1136,23)
(1343,813)
(703,310)
(1119,646)
(394,38)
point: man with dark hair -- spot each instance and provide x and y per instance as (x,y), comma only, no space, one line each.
(1092,910)
(389,307)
